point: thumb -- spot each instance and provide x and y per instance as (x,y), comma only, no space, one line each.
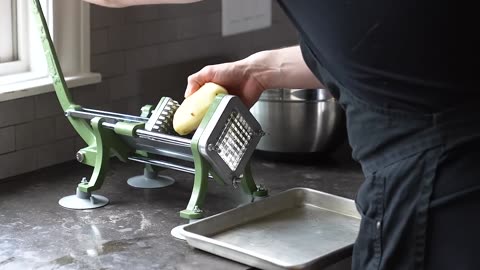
(192,86)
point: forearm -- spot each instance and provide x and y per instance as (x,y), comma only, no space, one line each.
(282,68)
(126,3)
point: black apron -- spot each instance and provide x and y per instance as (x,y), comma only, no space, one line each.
(421,181)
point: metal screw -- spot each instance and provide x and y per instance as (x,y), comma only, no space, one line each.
(379,224)
(236,181)
(84,180)
(261,187)
(211,147)
(80,156)
(197,209)
(259,133)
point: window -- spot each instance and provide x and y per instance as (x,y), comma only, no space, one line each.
(12,47)
(8,47)
(23,69)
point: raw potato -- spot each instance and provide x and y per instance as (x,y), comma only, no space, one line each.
(188,116)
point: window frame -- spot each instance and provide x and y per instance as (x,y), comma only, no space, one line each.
(71,35)
(16,27)
(7,50)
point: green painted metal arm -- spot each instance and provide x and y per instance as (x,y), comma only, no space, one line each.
(248,184)
(101,159)
(63,94)
(200,183)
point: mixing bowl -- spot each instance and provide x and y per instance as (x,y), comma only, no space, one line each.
(299,120)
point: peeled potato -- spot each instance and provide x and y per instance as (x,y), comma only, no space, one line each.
(188,116)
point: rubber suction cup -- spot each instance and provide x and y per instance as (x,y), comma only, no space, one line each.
(83,200)
(150,180)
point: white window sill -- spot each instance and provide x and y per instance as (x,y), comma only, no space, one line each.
(44,85)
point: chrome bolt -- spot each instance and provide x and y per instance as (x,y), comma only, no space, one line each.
(236,181)
(80,156)
(261,187)
(210,147)
(197,209)
(84,180)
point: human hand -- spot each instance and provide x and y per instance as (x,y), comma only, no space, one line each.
(239,78)
(249,77)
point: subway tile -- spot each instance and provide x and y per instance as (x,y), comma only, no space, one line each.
(238,46)
(130,105)
(37,132)
(141,13)
(125,36)
(17,162)
(79,144)
(142,58)
(278,35)
(47,105)
(99,41)
(16,111)
(63,128)
(120,106)
(109,64)
(91,95)
(184,50)
(123,86)
(134,106)
(162,31)
(193,9)
(55,153)
(7,139)
(104,17)
(200,25)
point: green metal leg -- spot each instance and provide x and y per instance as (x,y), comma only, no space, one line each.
(248,184)
(194,207)
(102,157)
(84,199)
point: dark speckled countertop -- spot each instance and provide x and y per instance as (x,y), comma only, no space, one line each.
(133,231)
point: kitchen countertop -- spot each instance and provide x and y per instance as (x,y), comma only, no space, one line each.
(133,231)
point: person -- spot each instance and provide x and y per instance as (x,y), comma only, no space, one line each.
(403,72)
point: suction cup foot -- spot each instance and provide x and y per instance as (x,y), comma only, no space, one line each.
(150,180)
(82,200)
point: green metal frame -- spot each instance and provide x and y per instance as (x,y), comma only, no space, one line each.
(202,168)
(102,142)
(80,125)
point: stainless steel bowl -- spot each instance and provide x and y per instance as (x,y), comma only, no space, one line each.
(299,120)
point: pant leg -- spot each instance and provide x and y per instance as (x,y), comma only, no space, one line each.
(453,231)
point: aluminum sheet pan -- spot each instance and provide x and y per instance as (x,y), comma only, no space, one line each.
(296,229)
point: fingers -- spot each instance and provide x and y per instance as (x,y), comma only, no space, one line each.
(196,80)
(192,86)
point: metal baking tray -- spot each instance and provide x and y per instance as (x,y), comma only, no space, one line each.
(296,229)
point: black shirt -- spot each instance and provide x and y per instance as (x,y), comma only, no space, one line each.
(412,54)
